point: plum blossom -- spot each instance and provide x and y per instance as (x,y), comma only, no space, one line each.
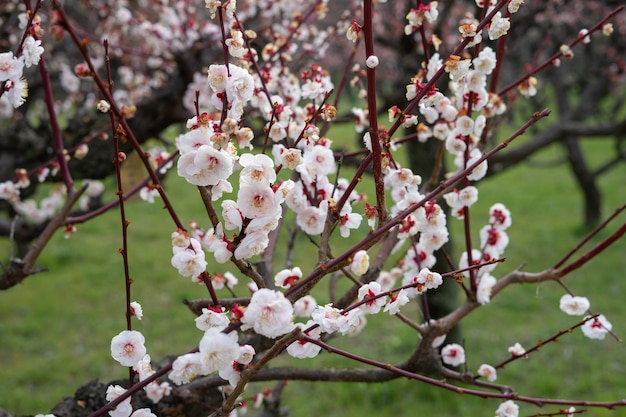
(499,216)
(189,261)
(331,319)
(185,368)
(457,68)
(136,310)
(291,158)
(499,26)
(311,219)
(269,313)
(360,262)
(485,62)
(453,354)
(348,220)
(301,349)
(397,301)
(574,305)
(369,292)
(9,191)
(10,67)
(485,286)
(217,350)
(507,409)
(31,51)
(319,160)
(304,306)
(252,244)
(123,409)
(205,166)
(128,347)
(514,5)
(240,84)
(16,91)
(246,354)
(257,201)
(517,350)
(256,169)
(488,372)
(479,170)
(430,280)
(496,239)
(287,277)
(372,61)
(211,319)
(596,328)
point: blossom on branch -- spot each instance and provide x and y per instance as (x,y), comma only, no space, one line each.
(128,347)
(269,314)
(596,328)
(453,354)
(507,409)
(573,305)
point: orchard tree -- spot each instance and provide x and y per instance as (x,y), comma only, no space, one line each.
(256,88)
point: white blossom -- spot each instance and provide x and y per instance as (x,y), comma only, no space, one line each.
(574,306)
(507,409)
(217,350)
(453,354)
(128,347)
(269,313)
(596,328)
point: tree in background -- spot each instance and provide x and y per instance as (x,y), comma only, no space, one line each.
(86,85)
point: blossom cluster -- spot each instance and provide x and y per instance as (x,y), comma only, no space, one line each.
(295,174)
(14,86)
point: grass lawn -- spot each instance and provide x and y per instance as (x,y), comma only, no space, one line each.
(56,327)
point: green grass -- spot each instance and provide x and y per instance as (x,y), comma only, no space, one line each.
(56,327)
